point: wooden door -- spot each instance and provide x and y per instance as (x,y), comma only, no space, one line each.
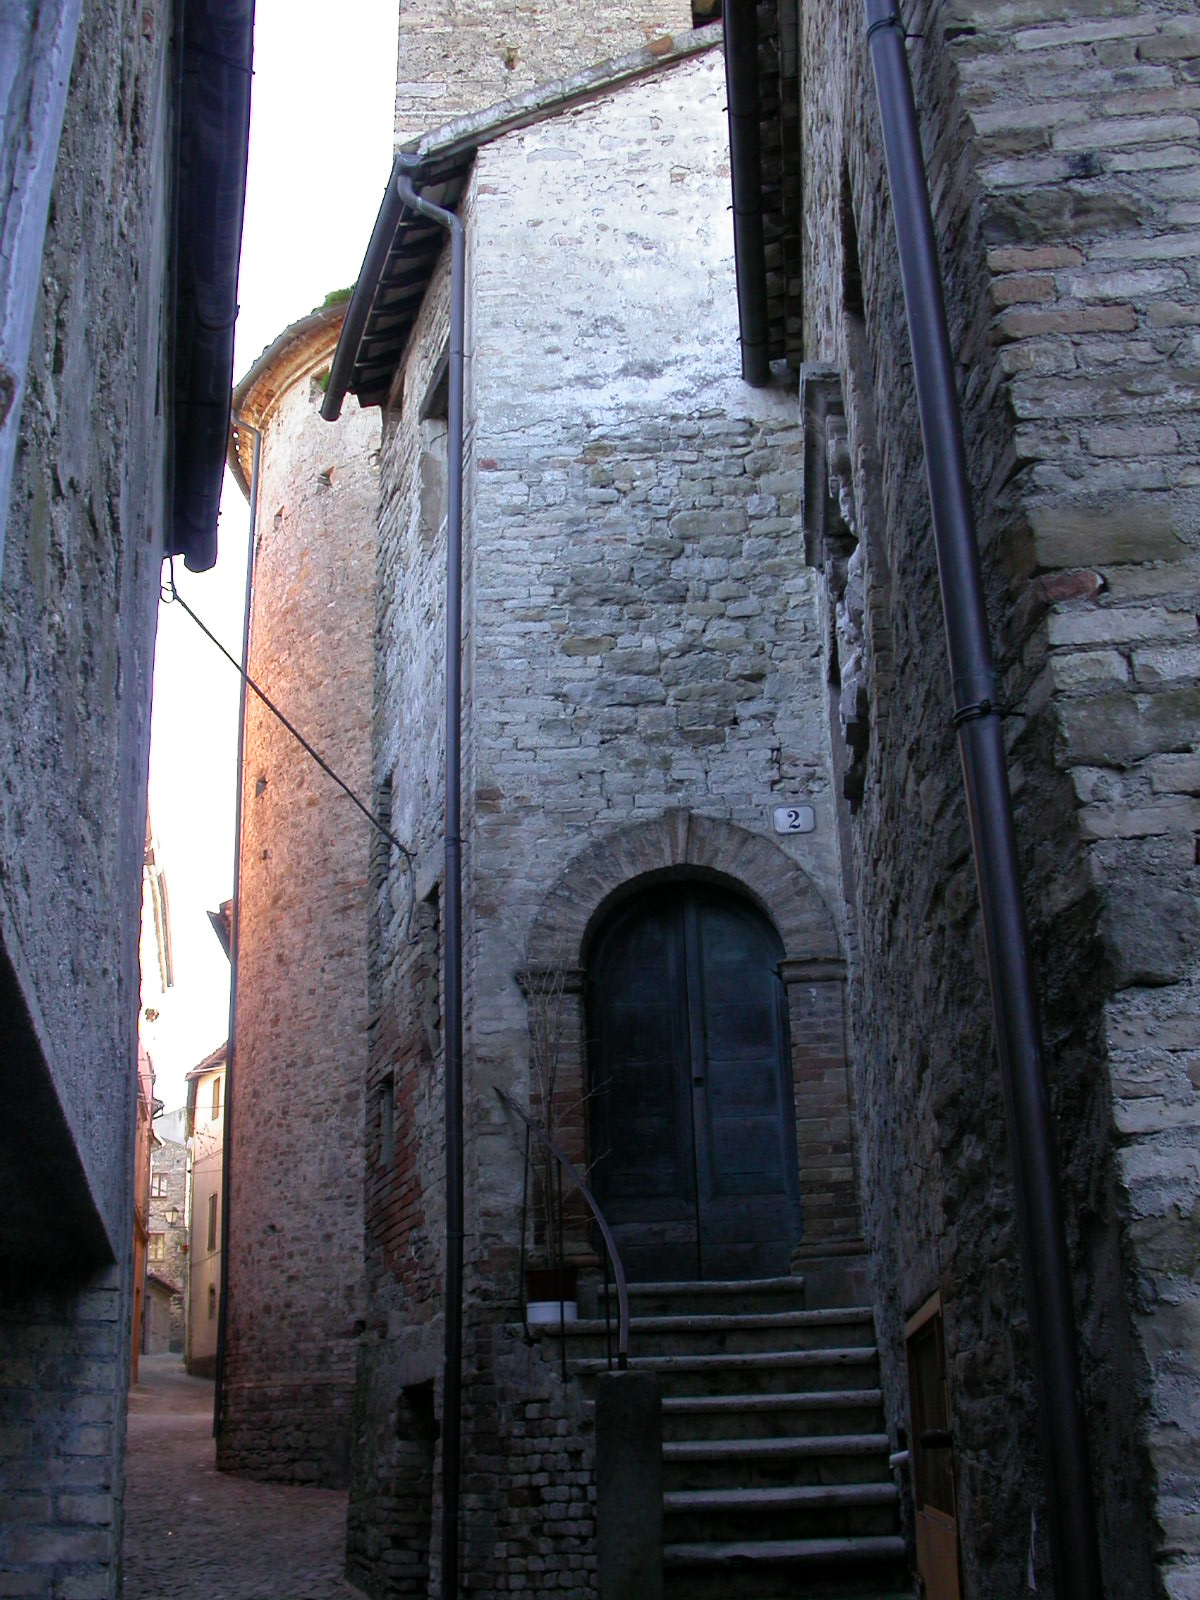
(692,1124)
(932,1458)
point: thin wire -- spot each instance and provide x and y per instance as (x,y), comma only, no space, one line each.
(170,595)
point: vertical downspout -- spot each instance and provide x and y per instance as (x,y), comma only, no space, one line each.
(1073,1541)
(452,1372)
(745,160)
(234,917)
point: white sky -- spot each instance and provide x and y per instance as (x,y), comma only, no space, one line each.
(320,154)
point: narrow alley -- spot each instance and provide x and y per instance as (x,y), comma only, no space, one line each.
(192,1531)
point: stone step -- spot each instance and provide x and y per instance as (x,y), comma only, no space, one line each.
(717,1333)
(797,1460)
(806,1497)
(735,1416)
(698,1298)
(791,1511)
(756,1372)
(744,1552)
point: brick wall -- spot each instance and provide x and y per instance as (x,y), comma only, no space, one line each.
(294,1273)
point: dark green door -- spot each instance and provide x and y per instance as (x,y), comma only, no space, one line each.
(691,1111)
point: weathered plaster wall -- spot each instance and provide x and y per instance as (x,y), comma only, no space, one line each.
(78,600)
(294,1273)
(461,57)
(1062,143)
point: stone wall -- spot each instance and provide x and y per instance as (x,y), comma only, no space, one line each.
(168,1160)
(78,599)
(294,1272)
(489,50)
(1062,144)
(643,685)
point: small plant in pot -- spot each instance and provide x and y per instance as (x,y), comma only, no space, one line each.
(550,1279)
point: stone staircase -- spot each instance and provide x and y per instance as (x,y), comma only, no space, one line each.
(775,1459)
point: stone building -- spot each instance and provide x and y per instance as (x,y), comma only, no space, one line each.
(206,1109)
(106,371)
(168,1246)
(717,863)
(294,1272)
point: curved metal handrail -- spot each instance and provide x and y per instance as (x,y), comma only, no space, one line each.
(610,1243)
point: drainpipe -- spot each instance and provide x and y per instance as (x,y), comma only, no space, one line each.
(745,160)
(452,1372)
(1074,1548)
(234,919)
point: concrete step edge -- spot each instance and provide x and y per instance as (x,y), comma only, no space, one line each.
(804,1400)
(880,1547)
(714,1322)
(823,1444)
(815,1496)
(719,1286)
(747,1360)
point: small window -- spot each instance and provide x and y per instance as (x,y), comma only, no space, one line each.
(158,1185)
(216,1111)
(157,1250)
(212,1221)
(387,1121)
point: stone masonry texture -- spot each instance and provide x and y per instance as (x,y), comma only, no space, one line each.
(294,1270)
(78,599)
(459,59)
(1062,147)
(643,685)
(688,602)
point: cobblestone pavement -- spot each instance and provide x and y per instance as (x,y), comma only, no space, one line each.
(193,1531)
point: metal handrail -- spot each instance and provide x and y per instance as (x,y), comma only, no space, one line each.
(610,1244)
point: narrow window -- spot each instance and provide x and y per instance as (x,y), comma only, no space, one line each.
(387,1121)
(212,1222)
(158,1247)
(216,1111)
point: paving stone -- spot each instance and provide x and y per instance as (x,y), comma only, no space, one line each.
(191,1531)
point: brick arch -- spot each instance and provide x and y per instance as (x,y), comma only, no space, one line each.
(676,844)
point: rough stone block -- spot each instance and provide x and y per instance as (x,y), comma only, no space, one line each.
(1103,533)
(629,1486)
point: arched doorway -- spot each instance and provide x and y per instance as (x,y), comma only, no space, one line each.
(691,1116)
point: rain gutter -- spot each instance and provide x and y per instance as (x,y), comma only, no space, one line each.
(1073,1541)
(452,979)
(745,160)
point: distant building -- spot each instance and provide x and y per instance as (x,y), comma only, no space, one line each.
(143,1143)
(206,1135)
(167,1244)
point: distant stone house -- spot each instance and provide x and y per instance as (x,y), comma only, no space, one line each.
(168,1246)
(717,863)
(206,1165)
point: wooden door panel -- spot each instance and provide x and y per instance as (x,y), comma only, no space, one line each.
(693,1134)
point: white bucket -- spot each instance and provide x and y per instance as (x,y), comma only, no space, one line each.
(539,1313)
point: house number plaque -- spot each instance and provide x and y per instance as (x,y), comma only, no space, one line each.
(795,819)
